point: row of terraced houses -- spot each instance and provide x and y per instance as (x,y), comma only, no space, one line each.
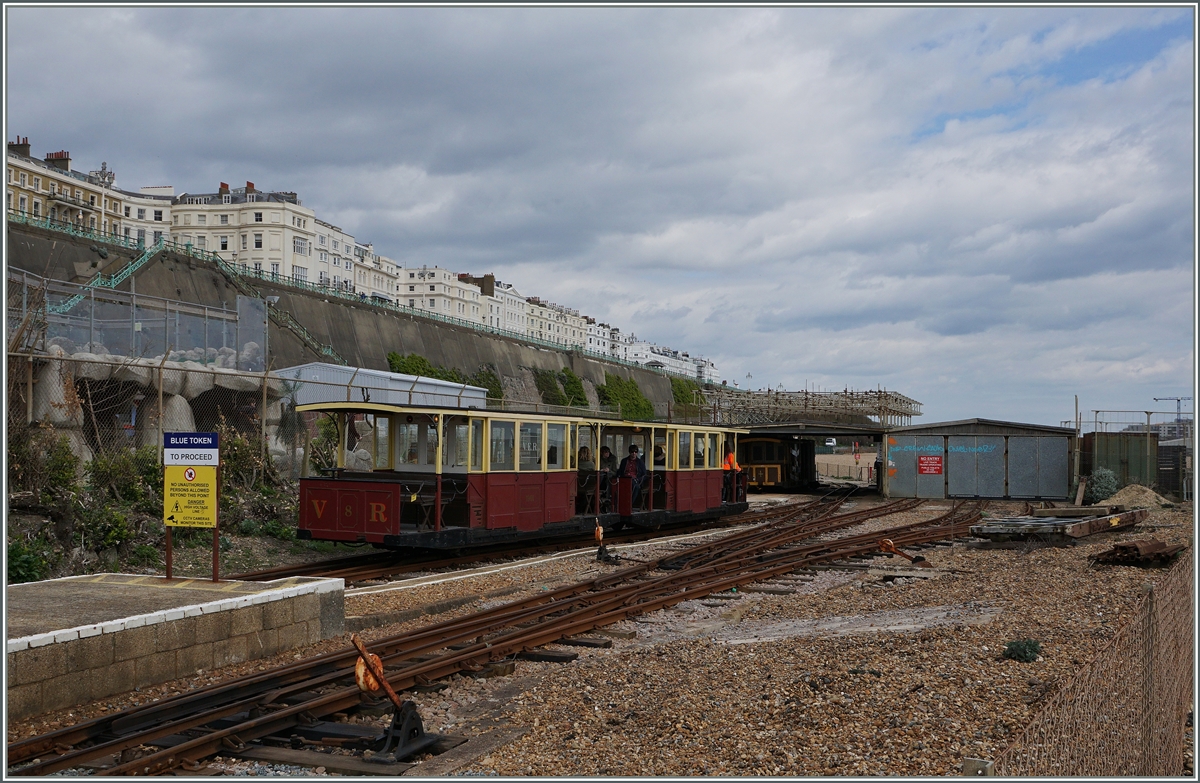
(272,234)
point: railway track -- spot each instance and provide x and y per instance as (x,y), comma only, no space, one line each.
(228,715)
(379,565)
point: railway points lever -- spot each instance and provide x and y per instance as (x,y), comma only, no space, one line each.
(886,545)
(406,734)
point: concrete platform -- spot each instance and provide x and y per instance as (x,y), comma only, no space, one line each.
(79,638)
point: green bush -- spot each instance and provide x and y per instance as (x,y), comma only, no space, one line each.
(126,476)
(281,530)
(486,377)
(416,364)
(682,389)
(145,555)
(24,564)
(573,388)
(1102,485)
(547,386)
(39,460)
(1024,650)
(104,527)
(626,394)
(248,527)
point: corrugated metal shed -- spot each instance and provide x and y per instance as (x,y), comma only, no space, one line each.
(979,458)
(321,382)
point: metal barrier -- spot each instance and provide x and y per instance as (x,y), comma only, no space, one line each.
(864,473)
(1125,712)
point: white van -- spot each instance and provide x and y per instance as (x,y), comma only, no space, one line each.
(831,441)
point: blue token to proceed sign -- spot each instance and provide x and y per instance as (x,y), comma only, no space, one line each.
(190,448)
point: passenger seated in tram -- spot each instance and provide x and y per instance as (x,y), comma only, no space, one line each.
(608,462)
(632,467)
(585,460)
(660,457)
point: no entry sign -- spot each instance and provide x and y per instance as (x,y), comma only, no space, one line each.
(929,464)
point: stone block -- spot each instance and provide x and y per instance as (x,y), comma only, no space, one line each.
(306,607)
(230,651)
(134,643)
(90,653)
(35,664)
(333,614)
(120,677)
(277,614)
(212,627)
(24,700)
(153,669)
(192,659)
(175,634)
(66,691)
(262,644)
(314,630)
(293,636)
(245,621)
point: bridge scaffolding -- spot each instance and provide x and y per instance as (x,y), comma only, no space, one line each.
(738,407)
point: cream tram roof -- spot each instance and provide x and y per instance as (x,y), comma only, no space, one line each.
(320,382)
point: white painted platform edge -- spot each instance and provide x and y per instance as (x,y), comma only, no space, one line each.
(317,586)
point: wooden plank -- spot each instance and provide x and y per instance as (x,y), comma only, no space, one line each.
(472,749)
(346,765)
(549,656)
(1083,480)
(585,641)
(1113,522)
(769,590)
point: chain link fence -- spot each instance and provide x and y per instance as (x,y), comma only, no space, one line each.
(1125,712)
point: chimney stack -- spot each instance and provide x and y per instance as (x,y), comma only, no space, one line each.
(249,186)
(59,160)
(223,189)
(20,146)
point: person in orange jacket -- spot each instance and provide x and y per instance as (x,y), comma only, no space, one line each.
(732,468)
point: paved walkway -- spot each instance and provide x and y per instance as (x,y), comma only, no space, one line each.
(41,607)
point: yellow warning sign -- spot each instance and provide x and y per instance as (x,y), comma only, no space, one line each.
(190,495)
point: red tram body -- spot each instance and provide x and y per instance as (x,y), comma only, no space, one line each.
(447,478)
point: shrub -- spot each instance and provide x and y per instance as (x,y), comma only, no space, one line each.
(627,395)
(416,364)
(1024,650)
(486,377)
(1101,485)
(547,386)
(39,460)
(104,527)
(145,555)
(24,563)
(123,475)
(682,389)
(573,388)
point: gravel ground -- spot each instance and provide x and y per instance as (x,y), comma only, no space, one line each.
(757,685)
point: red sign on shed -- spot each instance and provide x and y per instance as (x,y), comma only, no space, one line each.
(930,465)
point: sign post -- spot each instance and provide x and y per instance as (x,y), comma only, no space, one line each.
(191,487)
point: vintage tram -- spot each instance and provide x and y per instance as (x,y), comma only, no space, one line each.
(454,478)
(778,463)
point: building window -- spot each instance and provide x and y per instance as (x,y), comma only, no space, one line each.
(300,246)
(157,236)
(37,183)
(257,217)
(299,273)
(201,240)
(412,302)
(412,288)
(225,218)
(411,275)
(37,208)
(141,236)
(433,303)
(202,220)
(243,241)
(54,187)
(91,201)
(275,268)
(226,198)
(158,215)
(251,198)
(22,179)
(258,241)
(23,202)
(126,208)
(337,262)
(224,243)
(321,239)
(141,214)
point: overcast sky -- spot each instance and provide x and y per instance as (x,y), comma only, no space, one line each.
(987,209)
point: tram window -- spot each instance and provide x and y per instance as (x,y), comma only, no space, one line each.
(556,445)
(699,461)
(381,443)
(756,453)
(660,445)
(431,443)
(460,446)
(531,446)
(712,450)
(685,450)
(477,444)
(502,445)
(587,438)
(672,461)
(406,444)
(573,449)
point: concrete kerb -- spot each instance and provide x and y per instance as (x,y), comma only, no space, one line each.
(318,586)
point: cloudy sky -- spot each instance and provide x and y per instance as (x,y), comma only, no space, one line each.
(987,209)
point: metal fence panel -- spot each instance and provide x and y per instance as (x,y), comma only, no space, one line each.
(1053,468)
(931,485)
(989,465)
(903,459)
(1022,467)
(962,467)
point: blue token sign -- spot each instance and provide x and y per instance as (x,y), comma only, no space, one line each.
(190,448)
